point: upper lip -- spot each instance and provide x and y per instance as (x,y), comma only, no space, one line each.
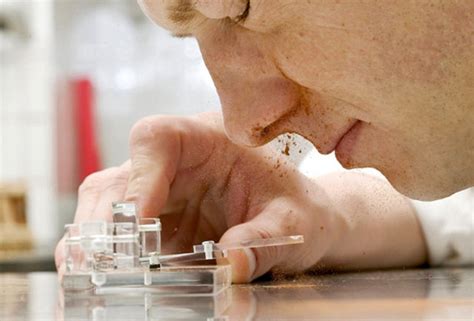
(325,145)
(331,145)
(261,135)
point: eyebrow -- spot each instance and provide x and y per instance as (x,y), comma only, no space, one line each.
(181,13)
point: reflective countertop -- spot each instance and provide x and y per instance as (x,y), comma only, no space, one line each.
(420,294)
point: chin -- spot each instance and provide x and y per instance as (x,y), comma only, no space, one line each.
(420,187)
(415,184)
(410,174)
(421,193)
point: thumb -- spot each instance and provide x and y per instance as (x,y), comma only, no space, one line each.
(248,264)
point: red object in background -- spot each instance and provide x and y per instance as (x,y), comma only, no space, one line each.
(86,142)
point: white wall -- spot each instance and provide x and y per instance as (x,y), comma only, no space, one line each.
(26,113)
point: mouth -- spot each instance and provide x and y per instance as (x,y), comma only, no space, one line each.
(332,144)
(346,144)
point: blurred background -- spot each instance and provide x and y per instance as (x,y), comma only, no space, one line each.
(75,75)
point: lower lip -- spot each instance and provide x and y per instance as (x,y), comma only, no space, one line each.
(346,145)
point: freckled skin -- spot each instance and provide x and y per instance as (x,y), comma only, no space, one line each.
(403,69)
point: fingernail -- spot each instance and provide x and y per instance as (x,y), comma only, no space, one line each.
(243,264)
(252,262)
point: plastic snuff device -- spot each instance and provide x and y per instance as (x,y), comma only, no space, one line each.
(125,255)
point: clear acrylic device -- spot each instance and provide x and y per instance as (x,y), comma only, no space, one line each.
(125,255)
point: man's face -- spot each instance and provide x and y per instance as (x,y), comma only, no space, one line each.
(386,84)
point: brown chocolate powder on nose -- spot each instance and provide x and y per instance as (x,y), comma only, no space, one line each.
(260,131)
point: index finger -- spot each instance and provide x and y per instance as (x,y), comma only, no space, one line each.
(161,147)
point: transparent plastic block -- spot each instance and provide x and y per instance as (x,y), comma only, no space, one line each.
(169,281)
(125,255)
(126,245)
(119,257)
(150,237)
(101,246)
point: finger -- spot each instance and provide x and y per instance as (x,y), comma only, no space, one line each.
(93,188)
(160,146)
(96,195)
(155,152)
(88,196)
(248,264)
(113,190)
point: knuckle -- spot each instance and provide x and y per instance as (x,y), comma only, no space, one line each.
(94,182)
(118,179)
(143,129)
(150,129)
(147,129)
(91,183)
(268,254)
(289,222)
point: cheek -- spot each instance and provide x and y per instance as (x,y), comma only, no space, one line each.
(324,61)
(303,57)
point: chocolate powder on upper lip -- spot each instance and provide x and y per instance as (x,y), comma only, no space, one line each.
(286,151)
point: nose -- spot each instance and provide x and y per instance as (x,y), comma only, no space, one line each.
(252,109)
(254,94)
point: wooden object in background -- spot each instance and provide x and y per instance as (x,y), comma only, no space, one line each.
(14,232)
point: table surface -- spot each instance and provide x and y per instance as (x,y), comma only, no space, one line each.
(420,294)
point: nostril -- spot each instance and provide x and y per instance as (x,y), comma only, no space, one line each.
(254,136)
(260,131)
(251,136)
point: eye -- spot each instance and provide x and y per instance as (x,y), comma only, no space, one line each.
(241,18)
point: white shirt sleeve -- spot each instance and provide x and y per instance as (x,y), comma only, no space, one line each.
(447,224)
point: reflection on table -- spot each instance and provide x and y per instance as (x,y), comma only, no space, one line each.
(424,294)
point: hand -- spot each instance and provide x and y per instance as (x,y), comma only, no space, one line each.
(203,187)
